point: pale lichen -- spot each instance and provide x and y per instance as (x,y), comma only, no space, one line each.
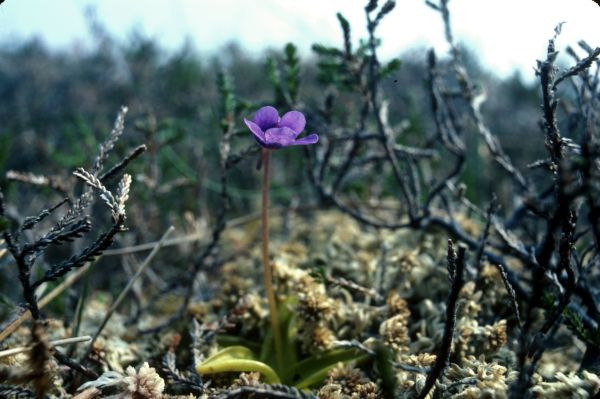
(348,383)
(143,384)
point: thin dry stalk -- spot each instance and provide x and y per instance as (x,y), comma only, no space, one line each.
(133,279)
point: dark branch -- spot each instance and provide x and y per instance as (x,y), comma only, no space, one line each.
(456,267)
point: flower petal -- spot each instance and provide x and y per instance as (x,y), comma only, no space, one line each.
(266,117)
(310,139)
(278,137)
(258,133)
(294,120)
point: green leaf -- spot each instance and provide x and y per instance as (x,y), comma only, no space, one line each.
(4,223)
(390,68)
(287,319)
(289,332)
(314,369)
(383,361)
(237,359)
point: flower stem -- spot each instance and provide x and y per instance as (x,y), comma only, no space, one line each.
(267,271)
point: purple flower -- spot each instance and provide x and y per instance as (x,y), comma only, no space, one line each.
(273,132)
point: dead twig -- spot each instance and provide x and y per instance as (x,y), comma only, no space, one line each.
(456,266)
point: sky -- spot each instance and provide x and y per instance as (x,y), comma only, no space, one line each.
(507,35)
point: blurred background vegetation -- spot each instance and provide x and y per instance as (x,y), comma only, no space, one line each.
(57,106)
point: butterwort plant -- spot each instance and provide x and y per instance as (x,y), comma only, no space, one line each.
(273,132)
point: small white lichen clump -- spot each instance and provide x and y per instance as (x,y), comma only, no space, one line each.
(568,386)
(144,384)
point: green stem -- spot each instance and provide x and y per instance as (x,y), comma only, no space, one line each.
(267,271)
